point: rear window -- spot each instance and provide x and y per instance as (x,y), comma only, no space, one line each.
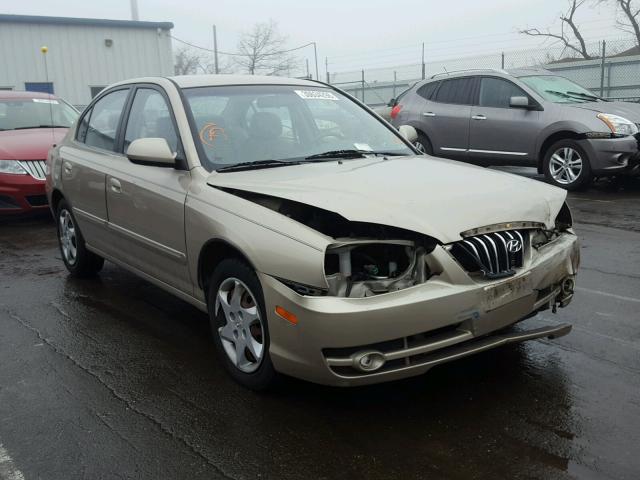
(458,91)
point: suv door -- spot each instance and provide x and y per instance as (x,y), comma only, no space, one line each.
(445,116)
(501,134)
(85,163)
(145,202)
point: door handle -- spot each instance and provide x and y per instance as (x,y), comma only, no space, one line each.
(429,114)
(116,187)
(479,117)
(67,168)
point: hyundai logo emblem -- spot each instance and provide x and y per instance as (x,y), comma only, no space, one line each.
(514,246)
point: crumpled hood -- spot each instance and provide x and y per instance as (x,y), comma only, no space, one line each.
(630,111)
(436,197)
(31,144)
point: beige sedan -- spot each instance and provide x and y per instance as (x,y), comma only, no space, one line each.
(318,241)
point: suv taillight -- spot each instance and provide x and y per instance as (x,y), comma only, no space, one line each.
(395,111)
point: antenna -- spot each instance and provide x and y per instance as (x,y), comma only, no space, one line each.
(44,49)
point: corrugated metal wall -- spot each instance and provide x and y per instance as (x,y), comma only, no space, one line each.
(78,57)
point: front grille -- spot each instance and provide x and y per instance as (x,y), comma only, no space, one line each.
(495,254)
(35,168)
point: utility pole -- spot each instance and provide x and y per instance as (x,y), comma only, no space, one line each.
(424,69)
(134,10)
(315,54)
(326,69)
(215,51)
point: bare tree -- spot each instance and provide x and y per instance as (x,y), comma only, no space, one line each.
(630,17)
(187,61)
(569,35)
(261,50)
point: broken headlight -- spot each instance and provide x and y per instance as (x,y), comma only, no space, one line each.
(564,219)
(563,222)
(365,268)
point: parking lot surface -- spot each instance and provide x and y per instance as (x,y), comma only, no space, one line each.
(114,378)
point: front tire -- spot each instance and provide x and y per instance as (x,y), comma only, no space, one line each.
(423,144)
(567,165)
(79,261)
(239,324)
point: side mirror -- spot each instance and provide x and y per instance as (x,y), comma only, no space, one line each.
(391,103)
(151,151)
(409,133)
(519,102)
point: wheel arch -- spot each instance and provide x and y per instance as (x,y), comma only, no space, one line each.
(211,254)
(56,197)
(550,140)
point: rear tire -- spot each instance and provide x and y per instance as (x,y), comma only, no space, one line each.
(423,144)
(79,261)
(239,324)
(567,165)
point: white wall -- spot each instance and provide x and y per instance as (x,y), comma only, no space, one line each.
(78,57)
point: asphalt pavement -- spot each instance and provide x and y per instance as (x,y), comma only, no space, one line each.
(113,378)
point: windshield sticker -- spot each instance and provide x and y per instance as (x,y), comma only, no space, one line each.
(316,95)
(210,132)
(45,100)
(363,146)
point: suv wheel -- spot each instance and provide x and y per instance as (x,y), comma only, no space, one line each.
(423,144)
(79,261)
(566,165)
(239,324)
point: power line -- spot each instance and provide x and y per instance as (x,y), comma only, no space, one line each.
(241,54)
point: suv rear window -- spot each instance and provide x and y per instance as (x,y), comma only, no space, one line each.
(458,91)
(426,91)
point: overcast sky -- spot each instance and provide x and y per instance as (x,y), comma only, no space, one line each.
(352,34)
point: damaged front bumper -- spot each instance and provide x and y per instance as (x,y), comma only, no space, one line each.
(357,341)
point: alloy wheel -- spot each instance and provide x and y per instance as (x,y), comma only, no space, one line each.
(420,147)
(68,238)
(242,335)
(565,165)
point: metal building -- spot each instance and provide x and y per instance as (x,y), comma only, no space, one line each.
(84,54)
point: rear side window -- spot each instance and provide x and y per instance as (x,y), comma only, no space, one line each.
(426,91)
(103,120)
(496,92)
(458,91)
(150,117)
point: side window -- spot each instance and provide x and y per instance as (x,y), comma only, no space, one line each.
(458,91)
(150,117)
(496,92)
(103,120)
(426,91)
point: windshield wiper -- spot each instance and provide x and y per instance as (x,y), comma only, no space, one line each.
(349,154)
(589,96)
(41,126)
(256,164)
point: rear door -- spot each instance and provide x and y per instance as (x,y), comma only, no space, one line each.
(145,202)
(86,162)
(445,116)
(500,134)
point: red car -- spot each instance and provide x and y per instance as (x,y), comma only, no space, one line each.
(30,123)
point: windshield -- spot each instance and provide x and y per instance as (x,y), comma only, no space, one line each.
(35,113)
(559,89)
(254,123)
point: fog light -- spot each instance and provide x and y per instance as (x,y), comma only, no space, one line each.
(368,361)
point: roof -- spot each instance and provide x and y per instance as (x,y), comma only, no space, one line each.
(187,81)
(95,22)
(13,95)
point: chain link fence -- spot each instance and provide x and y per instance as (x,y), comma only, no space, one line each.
(612,71)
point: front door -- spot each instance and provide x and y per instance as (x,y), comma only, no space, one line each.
(145,203)
(500,134)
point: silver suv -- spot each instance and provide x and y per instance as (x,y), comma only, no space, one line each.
(523,117)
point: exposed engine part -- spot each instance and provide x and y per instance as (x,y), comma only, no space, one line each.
(365,268)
